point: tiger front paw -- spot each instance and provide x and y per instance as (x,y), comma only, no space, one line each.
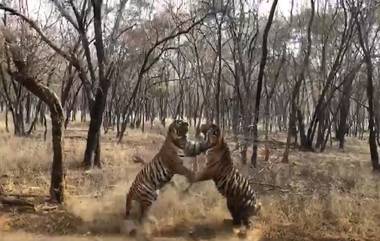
(187,190)
(257,208)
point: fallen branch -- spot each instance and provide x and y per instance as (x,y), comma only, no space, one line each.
(12,201)
(273,186)
(24,195)
(265,184)
(48,208)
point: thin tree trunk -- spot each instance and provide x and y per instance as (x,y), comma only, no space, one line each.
(217,97)
(28,107)
(32,125)
(260,82)
(6,119)
(295,93)
(91,157)
(363,41)
(57,174)
(345,106)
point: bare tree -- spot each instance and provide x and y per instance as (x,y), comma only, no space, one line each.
(263,62)
(297,86)
(364,22)
(22,75)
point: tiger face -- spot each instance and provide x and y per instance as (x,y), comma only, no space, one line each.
(213,135)
(178,131)
(202,130)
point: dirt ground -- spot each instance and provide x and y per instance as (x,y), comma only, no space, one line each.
(317,196)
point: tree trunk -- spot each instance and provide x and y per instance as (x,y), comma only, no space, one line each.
(294,111)
(57,174)
(260,83)
(83,111)
(94,130)
(33,124)
(321,128)
(6,119)
(371,120)
(56,111)
(217,96)
(28,107)
(99,105)
(345,108)
(363,41)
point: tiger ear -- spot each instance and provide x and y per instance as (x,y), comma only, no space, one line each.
(171,127)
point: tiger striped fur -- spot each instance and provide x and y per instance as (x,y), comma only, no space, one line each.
(239,192)
(158,172)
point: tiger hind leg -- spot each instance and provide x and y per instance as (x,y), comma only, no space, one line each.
(248,213)
(128,204)
(236,221)
(247,222)
(237,224)
(144,209)
(247,216)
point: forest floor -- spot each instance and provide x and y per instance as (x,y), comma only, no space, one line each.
(332,195)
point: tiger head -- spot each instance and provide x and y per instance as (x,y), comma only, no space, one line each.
(214,135)
(178,133)
(202,129)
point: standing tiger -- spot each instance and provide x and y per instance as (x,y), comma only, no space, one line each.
(241,198)
(160,170)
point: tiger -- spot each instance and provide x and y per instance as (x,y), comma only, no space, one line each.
(160,170)
(236,188)
(202,129)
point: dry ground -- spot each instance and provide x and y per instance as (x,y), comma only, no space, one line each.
(319,196)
